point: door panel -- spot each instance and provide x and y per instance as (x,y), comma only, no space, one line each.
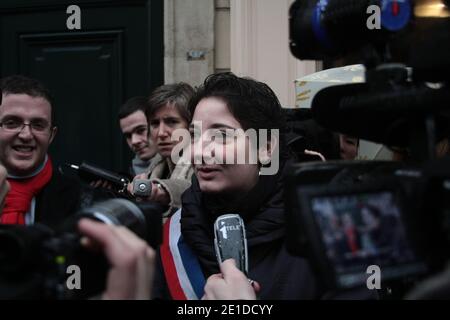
(90,72)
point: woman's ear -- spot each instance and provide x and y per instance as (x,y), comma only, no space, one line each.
(266,151)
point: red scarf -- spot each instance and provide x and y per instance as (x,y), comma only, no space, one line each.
(18,200)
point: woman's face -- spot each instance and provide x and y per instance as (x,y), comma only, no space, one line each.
(212,155)
(163,123)
(348,147)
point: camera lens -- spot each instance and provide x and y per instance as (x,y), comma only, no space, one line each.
(118,212)
(324,29)
(144,219)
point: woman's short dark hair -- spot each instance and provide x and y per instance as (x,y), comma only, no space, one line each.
(177,94)
(252,103)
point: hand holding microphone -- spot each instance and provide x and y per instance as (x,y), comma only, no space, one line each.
(231,250)
(230,284)
(99,177)
(145,190)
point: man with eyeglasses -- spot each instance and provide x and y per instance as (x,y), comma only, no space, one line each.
(38,192)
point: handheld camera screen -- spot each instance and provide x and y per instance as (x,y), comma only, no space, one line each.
(360,230)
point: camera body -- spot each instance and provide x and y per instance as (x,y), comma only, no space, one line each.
(348,217)
(35,260)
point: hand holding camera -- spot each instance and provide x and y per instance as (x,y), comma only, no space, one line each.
(130,274)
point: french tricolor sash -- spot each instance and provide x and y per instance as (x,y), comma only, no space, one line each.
(184,275)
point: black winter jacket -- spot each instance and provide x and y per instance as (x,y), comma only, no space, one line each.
(281,275)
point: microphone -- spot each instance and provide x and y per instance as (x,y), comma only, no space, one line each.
(90,172)
(230,240)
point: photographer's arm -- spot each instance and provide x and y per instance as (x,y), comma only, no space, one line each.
(131,259)
(4,187)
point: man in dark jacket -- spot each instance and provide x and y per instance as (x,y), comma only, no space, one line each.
(280,275)
(38,192)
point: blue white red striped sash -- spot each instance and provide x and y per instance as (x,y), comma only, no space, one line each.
(184,275)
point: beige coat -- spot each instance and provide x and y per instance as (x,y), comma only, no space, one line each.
(178,181)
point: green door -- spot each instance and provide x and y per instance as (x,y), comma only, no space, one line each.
(117,53)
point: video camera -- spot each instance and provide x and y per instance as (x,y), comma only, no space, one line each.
(348,216)
(358,214)
(35,260)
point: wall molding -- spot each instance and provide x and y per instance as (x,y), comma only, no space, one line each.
(260,46)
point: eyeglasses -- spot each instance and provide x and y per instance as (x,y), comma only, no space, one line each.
(16,126)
